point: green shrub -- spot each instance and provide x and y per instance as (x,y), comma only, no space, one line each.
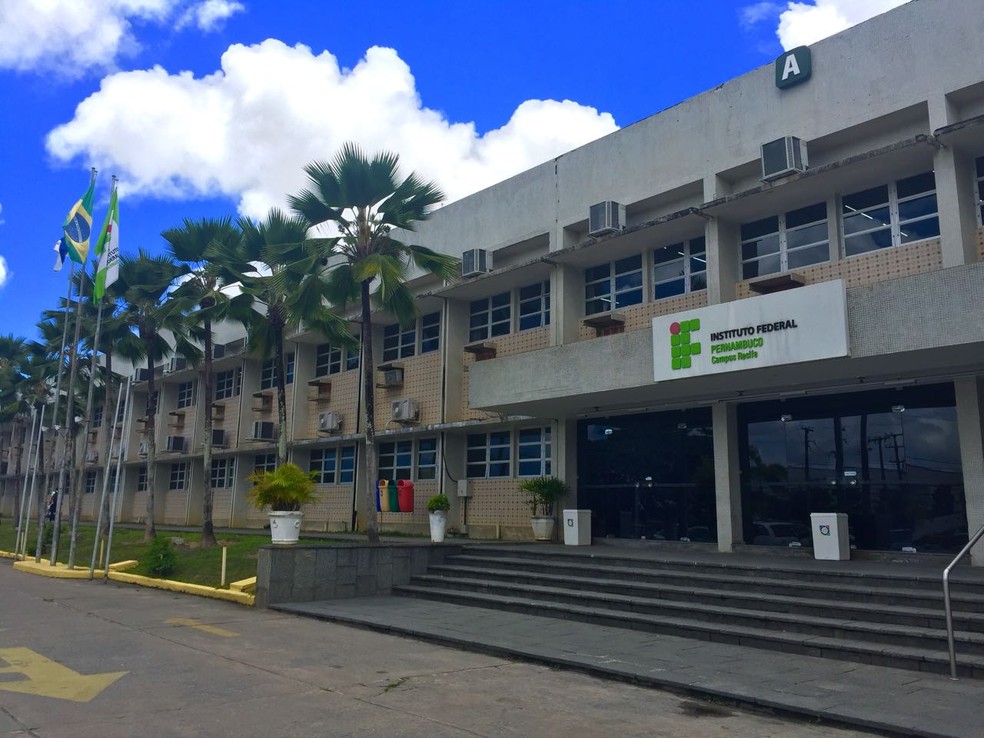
(285,489)
(438,503)
(160,559)
(542,494)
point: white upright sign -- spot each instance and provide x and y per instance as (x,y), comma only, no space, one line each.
(802,324)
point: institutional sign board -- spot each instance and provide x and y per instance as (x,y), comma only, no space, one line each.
(793,67)
(803,324)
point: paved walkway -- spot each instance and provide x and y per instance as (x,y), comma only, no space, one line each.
(883,699)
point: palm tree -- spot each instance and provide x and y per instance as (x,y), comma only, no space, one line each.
(13,353)
(151,316)
(206,288)
(365,200)
(273,266)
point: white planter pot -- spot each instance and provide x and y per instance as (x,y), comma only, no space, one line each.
(543,528)
(438,525)
(285,527)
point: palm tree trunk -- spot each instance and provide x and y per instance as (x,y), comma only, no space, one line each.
(150,531)
(369,395)
(208,530)
(280,377)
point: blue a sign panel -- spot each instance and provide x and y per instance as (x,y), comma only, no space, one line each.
(794,67)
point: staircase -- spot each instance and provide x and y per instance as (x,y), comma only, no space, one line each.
(882,614)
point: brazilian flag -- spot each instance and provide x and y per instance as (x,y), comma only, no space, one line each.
(78,225)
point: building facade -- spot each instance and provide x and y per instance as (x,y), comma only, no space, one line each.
(823,214)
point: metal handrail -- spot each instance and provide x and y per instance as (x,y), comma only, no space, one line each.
(946,600)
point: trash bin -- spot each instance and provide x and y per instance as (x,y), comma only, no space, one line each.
(830,536)
(577,527)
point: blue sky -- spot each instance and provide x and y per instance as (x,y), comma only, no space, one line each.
(212,107)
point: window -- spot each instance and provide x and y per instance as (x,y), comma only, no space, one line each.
(782,242)
(179,476)
(680,268)
(890,215)
(399,343)
(186,394)
(90,483)
(268,374)
(228,383)
(979,189)
(97,417)
(487,455)
(430,333)
(222,473)
(490,316)
(427,458)
(142,479)
(533,452)
(120,412)
(534,306)
(396,460)
(346,464)
(613,285)
(334,465)
(328,360)
(265,462)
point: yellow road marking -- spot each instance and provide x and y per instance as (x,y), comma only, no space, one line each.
(47,678)
(198,625)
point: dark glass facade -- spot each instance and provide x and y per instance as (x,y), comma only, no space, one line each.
(648,476)
(889,459)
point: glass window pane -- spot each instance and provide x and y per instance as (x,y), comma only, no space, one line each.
(760,247)
(861,222)
(698,246)
(918,207)
(668,253)
(670,289)
(634,297)
(663,272)
(759,228)
(593,274)
(809,255)
(925,182)
(920,229)
(698,282)
(854,245)
(628,281)
(807,235)
(768,265)
(810,214)
(628,264)
(865,199)
(598,289)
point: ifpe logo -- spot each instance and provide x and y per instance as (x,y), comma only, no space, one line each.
(682,343)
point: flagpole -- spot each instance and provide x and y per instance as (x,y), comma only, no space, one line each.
(54,415)
(105,485)
(34,482)
(127,418)
(21,533)
(69,457)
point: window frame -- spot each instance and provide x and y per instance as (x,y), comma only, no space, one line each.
(268,463)
(396,459)
(540,301)
(142,478)
(89,487)
(782,234)
(686,258)
(235,385)
(178,478)
(896,224)
(543,444)
(222,475)
(268,371)
(614,292)
(486,443)
(186,394)
(431,455)
(484,309)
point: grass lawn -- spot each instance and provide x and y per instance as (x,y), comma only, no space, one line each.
(195,564)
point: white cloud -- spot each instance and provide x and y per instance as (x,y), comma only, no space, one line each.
(247,130)
(210,14)
(5,273)
(753,14)
(802,23)
(1,214)
(72,38)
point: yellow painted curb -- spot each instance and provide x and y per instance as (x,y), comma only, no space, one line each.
(196,589)
(8,555)
(45,569)
(244,585)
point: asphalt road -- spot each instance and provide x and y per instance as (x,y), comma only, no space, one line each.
(176,665)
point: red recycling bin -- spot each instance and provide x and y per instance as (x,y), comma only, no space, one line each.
(404,494)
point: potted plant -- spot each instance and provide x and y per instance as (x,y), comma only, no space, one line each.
(284,491)
(542,494)
(438,507)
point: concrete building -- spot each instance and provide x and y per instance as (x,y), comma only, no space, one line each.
(763,302)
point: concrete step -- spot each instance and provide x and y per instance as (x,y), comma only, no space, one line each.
(802,570)
(844,648)
(833,625)
(861,589)
(900,610)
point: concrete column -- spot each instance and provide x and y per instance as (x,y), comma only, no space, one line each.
(833,228)
(566,304)
(456,314)
(565,458)
(727,482)
(453,455)
(954,170)
(722,260)
(970,426)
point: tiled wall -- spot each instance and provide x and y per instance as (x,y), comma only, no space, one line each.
(421,383)
(343,398)
(175,507)
(514,343)
(333,510)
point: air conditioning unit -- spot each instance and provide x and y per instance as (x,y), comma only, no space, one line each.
(175,444)
(176,364)
(264,430)
(141,375)
(219,438)
(606,217)
(329,422)
(392,377)
(119,451)
(218,350)
(475,262)
(405,411)
(92,457)
(783,156)
(144,448)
